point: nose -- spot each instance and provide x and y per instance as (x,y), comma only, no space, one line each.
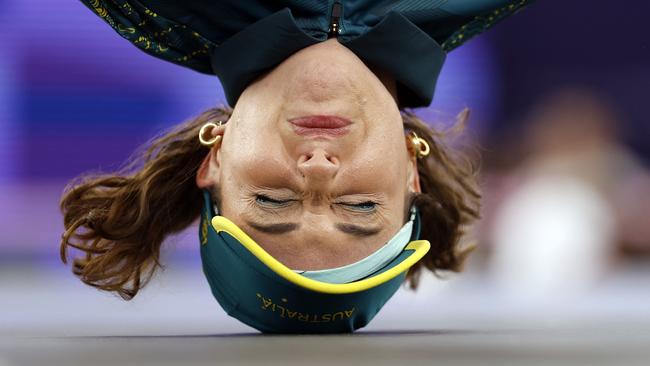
(318,167)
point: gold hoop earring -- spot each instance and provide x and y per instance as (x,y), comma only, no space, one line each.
(420,145)
(209,126)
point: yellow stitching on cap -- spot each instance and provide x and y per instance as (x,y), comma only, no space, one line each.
(419,247)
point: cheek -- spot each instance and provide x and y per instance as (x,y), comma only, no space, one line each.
(263,164)
(249,139)
(378,175)
(385,158)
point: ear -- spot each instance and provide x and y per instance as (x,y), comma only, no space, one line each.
(412,175)
(207,175)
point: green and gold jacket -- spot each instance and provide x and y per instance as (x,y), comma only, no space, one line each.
(238,40)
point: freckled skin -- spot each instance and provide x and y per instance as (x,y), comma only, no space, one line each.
(318,176)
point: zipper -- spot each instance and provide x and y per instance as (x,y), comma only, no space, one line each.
(335,20)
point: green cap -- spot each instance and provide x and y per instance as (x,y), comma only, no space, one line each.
(255,288)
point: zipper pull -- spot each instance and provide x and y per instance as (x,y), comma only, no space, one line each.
(335,20)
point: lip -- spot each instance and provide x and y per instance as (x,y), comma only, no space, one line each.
(320,125)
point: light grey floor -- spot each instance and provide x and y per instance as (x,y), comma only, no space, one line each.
(615,345)
(48,318)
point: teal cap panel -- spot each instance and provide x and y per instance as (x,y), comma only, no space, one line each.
(252,293)
(271,304)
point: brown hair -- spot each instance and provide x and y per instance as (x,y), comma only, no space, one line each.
(119,220)
(450,200)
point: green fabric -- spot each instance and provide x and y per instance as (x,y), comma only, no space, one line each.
(238,40)
(252,293)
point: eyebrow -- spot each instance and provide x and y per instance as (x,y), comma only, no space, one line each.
(281,228)
(358,231)
(285,227)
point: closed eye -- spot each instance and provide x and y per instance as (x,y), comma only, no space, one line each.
(367,206)
(267,201)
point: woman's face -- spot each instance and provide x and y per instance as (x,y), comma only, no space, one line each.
(313,163)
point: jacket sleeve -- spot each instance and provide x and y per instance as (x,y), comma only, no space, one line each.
(468,18)
(155,34)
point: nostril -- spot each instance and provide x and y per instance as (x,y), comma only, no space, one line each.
(304,158)
(317,165)
(315,157)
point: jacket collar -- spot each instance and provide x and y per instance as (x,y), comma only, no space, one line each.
(395,45)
